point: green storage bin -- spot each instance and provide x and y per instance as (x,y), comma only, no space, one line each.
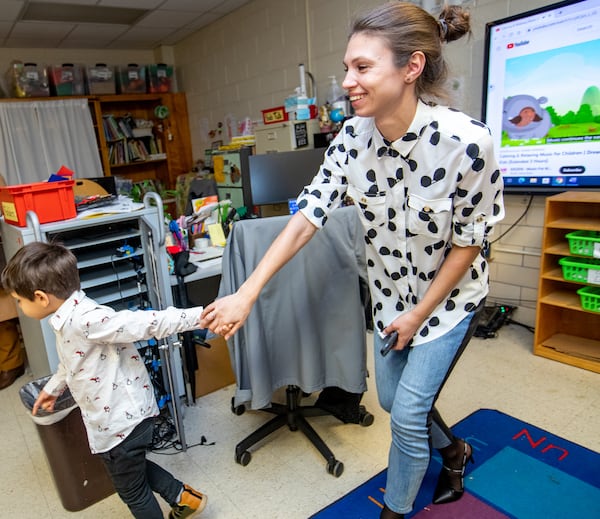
(582,270)
(584,243)
(590,298)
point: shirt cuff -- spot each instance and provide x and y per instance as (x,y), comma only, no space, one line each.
(55,386)
(470,234)
(313,212)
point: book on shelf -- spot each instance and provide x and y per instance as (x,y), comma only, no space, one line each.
(129,143)
(111,128)
(134,150)
(116,128)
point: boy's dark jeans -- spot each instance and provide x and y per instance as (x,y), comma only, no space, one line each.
(135,478)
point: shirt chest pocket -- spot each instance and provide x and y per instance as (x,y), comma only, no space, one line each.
(372,207)
(432,217)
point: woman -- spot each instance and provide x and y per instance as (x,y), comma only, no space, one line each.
(428,191)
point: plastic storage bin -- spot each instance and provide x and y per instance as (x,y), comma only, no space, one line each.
(51,201)
(590,298)
(160,78)
(28,80)
(100,79)
(584,243)
(80,477)
(66,80)
(583,270)
(131,79)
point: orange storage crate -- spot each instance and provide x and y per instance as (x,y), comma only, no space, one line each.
(51,201)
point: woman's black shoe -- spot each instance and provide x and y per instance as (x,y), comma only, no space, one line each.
(450,485)
(386,513)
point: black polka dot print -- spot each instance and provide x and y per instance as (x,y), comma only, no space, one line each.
(435,188)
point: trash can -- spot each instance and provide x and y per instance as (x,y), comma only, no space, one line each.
(80,477)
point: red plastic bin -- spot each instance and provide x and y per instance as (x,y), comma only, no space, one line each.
(51,201)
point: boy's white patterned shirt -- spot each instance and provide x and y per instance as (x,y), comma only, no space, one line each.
(102,367)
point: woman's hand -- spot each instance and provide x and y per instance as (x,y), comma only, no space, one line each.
(406,325)
(226,316)
(453,268)
(46,401)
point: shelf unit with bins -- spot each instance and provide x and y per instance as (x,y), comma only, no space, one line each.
(563,328)
(172,134)
(134,277)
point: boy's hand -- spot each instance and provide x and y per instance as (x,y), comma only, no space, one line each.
(45,401)
(226,316)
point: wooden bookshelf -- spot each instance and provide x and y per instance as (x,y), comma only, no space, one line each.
(161,152)
(564,331)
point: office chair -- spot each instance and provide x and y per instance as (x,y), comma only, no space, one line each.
(306,331)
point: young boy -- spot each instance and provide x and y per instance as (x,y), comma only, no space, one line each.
(104,372)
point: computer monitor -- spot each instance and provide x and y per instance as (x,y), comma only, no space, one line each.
(276,178)
(541,97)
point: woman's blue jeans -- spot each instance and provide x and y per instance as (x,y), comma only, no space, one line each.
(408,383)
(135,478)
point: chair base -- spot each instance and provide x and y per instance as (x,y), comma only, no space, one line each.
(294,416)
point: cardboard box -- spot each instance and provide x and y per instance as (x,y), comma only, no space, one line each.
(214,367)
(8,308)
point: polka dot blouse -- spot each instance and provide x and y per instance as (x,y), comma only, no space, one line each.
(437,186)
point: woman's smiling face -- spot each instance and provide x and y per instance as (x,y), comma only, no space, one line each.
(375,85)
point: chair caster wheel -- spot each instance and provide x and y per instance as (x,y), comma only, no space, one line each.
(335,468)
(237,409)
(365,418)
(243,458)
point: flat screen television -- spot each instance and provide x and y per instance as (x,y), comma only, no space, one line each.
(541,97)
(277,178)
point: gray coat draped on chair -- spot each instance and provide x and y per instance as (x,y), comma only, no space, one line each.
(307,327)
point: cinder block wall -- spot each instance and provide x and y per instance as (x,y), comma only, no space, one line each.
(248,61)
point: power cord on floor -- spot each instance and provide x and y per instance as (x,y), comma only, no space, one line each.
(164,434)
(177,448)
(517,323)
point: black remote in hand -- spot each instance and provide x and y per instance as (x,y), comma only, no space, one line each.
(389,342)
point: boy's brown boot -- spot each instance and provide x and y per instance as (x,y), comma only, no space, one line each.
(191,504)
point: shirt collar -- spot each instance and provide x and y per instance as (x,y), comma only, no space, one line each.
(61,315)
(403,146)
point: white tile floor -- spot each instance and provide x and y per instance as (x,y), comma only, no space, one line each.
(286,478)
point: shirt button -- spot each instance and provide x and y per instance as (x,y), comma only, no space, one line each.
(427,209)
(480,219)
(363,200)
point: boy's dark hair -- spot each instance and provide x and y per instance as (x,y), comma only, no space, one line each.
(49,267)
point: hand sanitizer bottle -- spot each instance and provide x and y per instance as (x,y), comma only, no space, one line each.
(336,99)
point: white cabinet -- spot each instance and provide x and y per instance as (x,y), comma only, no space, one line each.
(286,136)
